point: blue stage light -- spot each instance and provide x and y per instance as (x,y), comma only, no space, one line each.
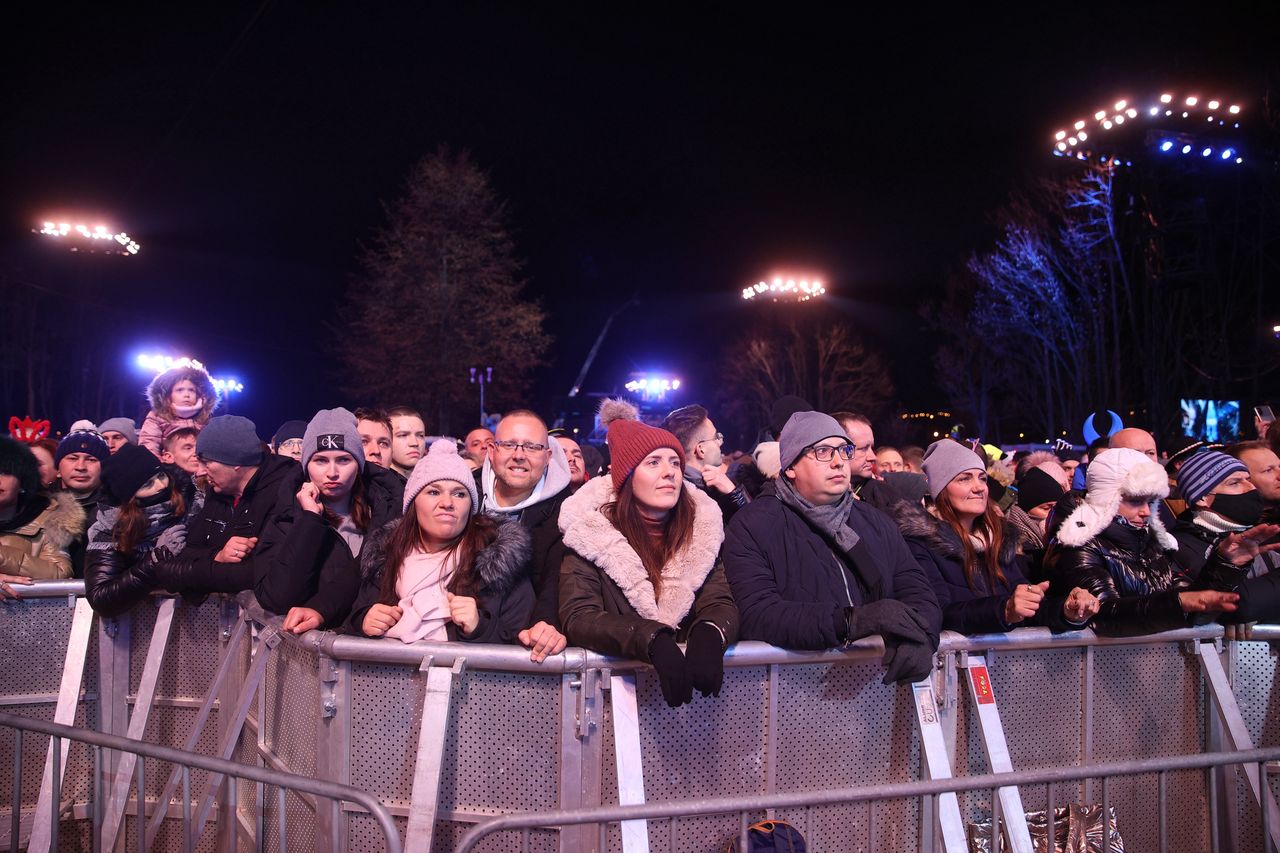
(1206,152)
(1186,149)
(1166,145)
(1227,153)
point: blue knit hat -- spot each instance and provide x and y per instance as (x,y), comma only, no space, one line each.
(1202,473)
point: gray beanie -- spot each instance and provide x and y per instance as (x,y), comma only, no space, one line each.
(803,430)
(124,426)
(231,440)
(946,458)
(332,429)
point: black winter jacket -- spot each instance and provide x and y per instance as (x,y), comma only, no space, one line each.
(1135,580)
(305,562)
(792,584)
(504,601)
(267,494)
(114,581)
(967,609)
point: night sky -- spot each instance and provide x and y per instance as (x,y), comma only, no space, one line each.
(675,152)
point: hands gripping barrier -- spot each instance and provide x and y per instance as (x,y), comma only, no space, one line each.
(450,735)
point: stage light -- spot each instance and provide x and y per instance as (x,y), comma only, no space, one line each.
(1121,104)
(1079,125)
(1072,141)
(1186,149)
(1062,134)
(1166,98)
(1233,109)
(1228,153)
(1107,124)
(1119,119)
(1206,152)
(1062,146)
(1131,112)
(1166,145)
(1155,111)
(1239,160)
(1192,101)
(1213,105)
(1083,136)
(1100,115)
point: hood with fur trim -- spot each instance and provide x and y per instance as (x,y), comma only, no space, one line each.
(62,520)
(1114,474)
(499,566)
(162,386)
(589,533)
(917,523)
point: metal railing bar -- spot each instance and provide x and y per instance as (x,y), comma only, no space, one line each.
(16,821)
(895,790)
(318,787)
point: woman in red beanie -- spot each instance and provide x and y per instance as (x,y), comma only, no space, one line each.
(643,569)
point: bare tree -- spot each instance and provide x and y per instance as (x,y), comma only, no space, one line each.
(816,357)
(440,292)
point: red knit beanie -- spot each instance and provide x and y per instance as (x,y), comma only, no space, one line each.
(630,441)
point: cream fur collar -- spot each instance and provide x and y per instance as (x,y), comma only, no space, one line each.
(588,532)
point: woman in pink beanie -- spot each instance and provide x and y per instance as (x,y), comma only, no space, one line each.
(643,569)
(443,571)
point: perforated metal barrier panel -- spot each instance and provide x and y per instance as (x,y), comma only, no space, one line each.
(785,727)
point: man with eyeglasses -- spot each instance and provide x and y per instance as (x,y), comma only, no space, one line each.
(692,425)
(525,478)
(813,568)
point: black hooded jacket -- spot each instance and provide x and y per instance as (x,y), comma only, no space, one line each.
(305,562)
(972,609)
(267,494)
(504,601)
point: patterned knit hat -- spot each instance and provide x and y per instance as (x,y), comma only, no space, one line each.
(630,441)
(442,462)
(82,441)
(1204,471)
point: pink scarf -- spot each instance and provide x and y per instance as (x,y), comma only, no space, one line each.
(421,588)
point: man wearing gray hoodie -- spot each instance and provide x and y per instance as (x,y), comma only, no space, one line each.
(525,478)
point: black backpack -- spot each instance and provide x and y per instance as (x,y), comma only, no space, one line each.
(770,836)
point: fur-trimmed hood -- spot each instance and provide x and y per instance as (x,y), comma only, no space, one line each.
(62,520)
(589,533)
(917,523)
(1116,473)
(499,566)
(162,386)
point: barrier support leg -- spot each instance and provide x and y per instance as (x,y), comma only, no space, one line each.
(225,667)
(424,803)
(1235,734)
(626,747)
(228,617)
(580,754)
(333,753)
(118,798)
(937,764)
(982,692)
(64,713)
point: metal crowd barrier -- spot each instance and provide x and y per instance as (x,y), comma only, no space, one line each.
(192,828)
(450,736)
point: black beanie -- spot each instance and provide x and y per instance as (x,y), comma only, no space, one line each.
(126,471)
(782,410)
(1035,488)
(16,459)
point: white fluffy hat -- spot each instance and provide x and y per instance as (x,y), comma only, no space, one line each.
(1113,474)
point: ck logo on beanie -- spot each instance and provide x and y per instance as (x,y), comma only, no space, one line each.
(332,441)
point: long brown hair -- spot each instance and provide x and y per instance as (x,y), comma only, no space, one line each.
(988,526)
(360,510)
(407,537)
(131,519)
(655,552)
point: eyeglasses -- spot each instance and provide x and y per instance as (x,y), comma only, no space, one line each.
(291,444)
(526,446)
(826,452)
(718,438)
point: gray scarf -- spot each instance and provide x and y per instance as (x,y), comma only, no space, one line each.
(831,519)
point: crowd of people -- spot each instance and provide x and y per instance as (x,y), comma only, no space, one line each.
(656,546)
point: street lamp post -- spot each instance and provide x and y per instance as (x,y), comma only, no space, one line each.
(481,376)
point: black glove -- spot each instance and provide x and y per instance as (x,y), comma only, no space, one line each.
(906,662)
(887,617)
(704,657)
(673,674)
